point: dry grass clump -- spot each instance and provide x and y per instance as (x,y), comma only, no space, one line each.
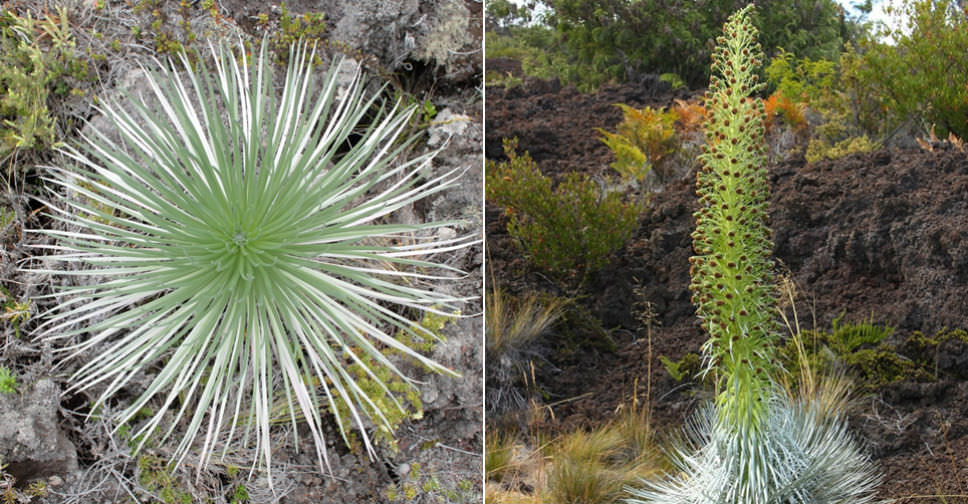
(512,325)
(580,467)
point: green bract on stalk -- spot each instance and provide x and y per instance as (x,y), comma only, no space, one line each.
(238,239)
(731,273)
(753,444)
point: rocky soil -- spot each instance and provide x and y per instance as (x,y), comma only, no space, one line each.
(882,235)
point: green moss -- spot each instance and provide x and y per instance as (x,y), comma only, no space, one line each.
(153,474)
(240,495)
(430,487)
(392,398)
(8,381)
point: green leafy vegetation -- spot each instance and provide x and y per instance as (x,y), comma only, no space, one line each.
(308,27)
(642,140)
(568,230)
(421,486)
(391,397)
(153,474)
(920,77)
(685,368)
(871,355)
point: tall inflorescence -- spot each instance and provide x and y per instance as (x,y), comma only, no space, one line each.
(731,271)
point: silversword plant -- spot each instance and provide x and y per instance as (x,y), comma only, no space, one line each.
(238,244)
(753,444)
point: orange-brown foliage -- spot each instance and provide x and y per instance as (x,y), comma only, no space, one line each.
(778,105)
(691,114)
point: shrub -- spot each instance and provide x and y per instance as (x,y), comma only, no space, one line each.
(535,47)
(621,39)
(246,236)
(818,149)
(568,230)
(644,137)
(308,27)
(803,79)
(921,76)
(861,350)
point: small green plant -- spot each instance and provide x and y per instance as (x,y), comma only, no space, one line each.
(674,80)
(37,489)
(419,485)
(36,61)
(569,230)
(642,140)
(240,495)
(753,443)
(306,28)
(14,312)
(861,351)
(390,396)
(154,476)
(685,368)
(245,238)
(8,381)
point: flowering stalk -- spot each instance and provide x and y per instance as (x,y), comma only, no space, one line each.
(753,445)
(731,271)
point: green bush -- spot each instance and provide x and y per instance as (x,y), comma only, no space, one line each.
(819,149)
(537,50)
(922,77)
(823,87)
(568,230)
